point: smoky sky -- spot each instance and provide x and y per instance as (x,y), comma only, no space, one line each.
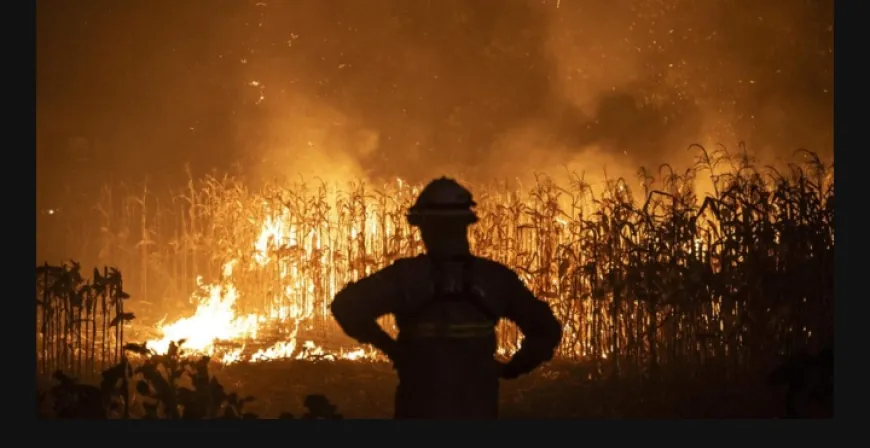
(413,88)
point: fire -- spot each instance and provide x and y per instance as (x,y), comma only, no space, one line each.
(218,329)
(270,300)
(217,320)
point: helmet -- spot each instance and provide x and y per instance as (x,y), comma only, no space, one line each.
(443,197)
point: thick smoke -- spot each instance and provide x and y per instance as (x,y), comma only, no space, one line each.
(375,89)
(428,85)
(499,87)
(384,88)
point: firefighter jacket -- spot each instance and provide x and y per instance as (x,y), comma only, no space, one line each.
(446,311)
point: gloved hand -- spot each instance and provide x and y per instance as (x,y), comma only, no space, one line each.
(506,371)
(395,352)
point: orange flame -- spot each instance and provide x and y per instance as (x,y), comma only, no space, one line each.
(216,319)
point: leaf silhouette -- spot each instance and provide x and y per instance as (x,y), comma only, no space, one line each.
(123,317)
(140,349)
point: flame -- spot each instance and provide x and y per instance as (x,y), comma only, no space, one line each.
(218,329)
(216,319)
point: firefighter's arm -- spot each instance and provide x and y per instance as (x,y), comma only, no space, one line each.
(542,332)
(357,307)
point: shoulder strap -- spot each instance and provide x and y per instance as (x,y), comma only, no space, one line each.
(468,293)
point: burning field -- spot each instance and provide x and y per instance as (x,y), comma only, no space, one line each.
(699,275)
(645,274)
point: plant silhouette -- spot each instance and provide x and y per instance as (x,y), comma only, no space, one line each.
(79,322)
(166,386)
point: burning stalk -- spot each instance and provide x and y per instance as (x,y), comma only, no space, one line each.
(641,281)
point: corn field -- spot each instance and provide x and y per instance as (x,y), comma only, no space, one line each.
(642,272)
(79,322)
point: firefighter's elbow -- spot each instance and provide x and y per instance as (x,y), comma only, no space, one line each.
(550,354)
(555,332)
(550,327)
(336,310)
(345,318)
(550,337)
(341,307)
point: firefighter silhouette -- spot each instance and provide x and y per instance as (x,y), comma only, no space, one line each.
(446,304)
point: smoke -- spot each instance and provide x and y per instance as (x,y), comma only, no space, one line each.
(483,88)
(429,86)
(496,88)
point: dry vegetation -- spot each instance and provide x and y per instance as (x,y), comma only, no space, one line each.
(643,273)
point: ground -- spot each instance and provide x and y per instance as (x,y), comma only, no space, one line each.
(365,390)
(557,390)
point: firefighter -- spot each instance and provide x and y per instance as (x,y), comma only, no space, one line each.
(446,304)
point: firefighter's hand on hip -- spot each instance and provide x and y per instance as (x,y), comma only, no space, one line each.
(395,353)
(505,371)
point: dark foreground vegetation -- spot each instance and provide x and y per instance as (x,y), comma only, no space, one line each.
(154,386)
(559,390)
(284,389)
